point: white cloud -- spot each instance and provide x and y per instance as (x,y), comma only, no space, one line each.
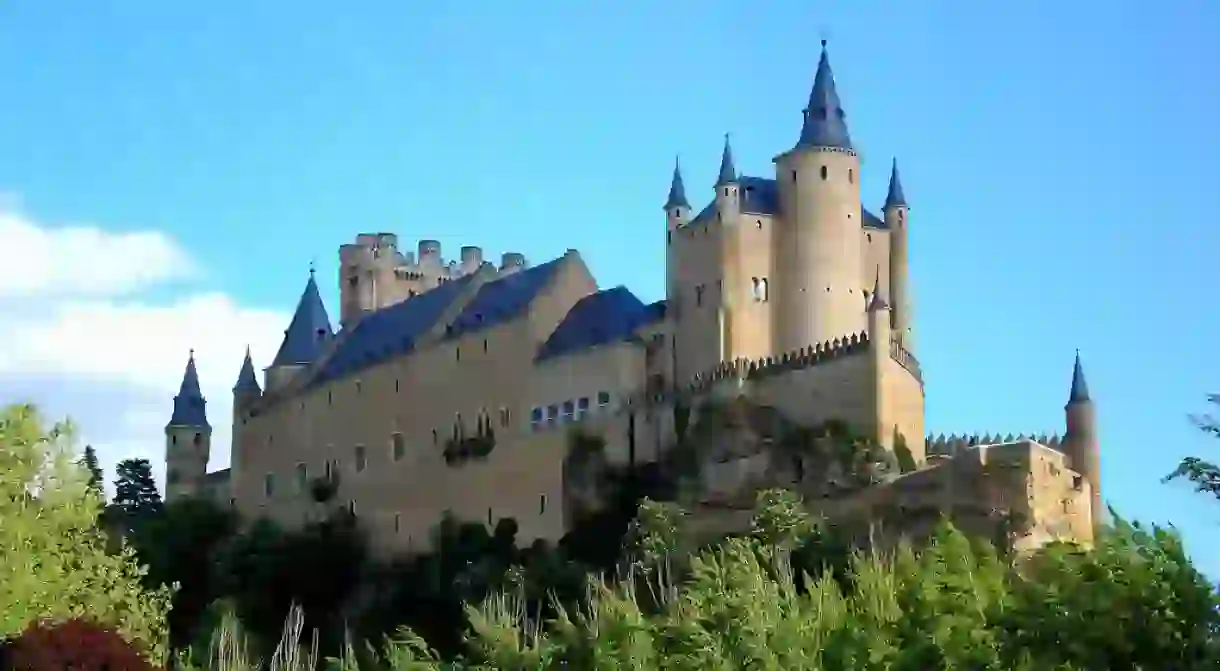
(92,347)
(82,260)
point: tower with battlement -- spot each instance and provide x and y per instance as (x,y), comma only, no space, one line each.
(457,386)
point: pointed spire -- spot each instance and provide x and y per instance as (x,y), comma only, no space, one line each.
(728,171)
(895,197)
(247,381)
(309,330)
(1080,388)
(877,302)
(677,191)
(189,404)
(825,122)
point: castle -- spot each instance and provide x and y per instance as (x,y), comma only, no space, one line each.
(456,386)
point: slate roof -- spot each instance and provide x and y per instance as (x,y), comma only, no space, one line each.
(728,170)
(503,299)
(894,197)
(390,331)
(190,408)
(759,195)
(825,121)
(608,316)
(1080,388)
(677,190)
(309,331)
(247,381)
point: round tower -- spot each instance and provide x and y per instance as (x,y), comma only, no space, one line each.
(246,393)
(818,246)
(188,438)
(677,213)
(896,213)
(1080,444)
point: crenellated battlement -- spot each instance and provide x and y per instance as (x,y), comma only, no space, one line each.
(760,369)
(950,446)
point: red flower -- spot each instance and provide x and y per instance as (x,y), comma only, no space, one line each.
(77,645)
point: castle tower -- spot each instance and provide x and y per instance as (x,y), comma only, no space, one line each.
(677,213)
(367,279)
(818,246)
(895,212)
(304,339)
(880,316)
(188,438)
(1080,443)
(728,211)
(245,393)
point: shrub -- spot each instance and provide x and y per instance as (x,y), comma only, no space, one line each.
(78,644)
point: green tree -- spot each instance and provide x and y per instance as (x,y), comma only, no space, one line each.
(1204,474)
(54,562)
(135,490)
(88,461)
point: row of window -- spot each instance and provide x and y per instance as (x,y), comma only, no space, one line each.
(572,410)
(760,290)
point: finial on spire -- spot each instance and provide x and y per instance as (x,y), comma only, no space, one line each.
(823,43)
(191,354)
(312,268)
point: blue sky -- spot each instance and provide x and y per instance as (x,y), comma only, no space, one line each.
(171,171)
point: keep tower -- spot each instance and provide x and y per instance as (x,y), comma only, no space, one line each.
(818,246)
(188,438)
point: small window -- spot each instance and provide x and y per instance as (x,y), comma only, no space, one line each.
(302,478)
(603,399)
(764,290)
(328,471)
(489,517)
(357,386)
(269,485)
(669,237)
(506,417)
(485,344)
(754,288)
(536,418)
(569,409)
(396,386)
(351,507)
(198,439)
(825,172)
(699,295)
(361,458)
(552,413)
(457,353)
(397,522)
(582,407)
(851,176)
(173,440)
(794,177)
(398,446)
(542,504)
(329,398)
(758,224)
(435,438)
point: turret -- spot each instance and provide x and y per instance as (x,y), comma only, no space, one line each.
(1080,443)
(895,212)
(305,339)
(879,335)
(188,438)
(246,391)
(677,208)
(818,246)
(728,202)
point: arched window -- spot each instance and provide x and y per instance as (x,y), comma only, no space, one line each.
(764,290)
(825,172)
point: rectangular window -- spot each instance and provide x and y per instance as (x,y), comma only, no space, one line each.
(603,399)
(542,504)
(505,417)
(398,446)
(269,485)
(351,507)
(302,478)
(569,408)
(535,418)
(397,522)
(361,459)
(552,413)
(582,408)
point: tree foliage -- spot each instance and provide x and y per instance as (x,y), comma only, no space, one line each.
(1205,475)
(135,490)
(54,563)
(88,461)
